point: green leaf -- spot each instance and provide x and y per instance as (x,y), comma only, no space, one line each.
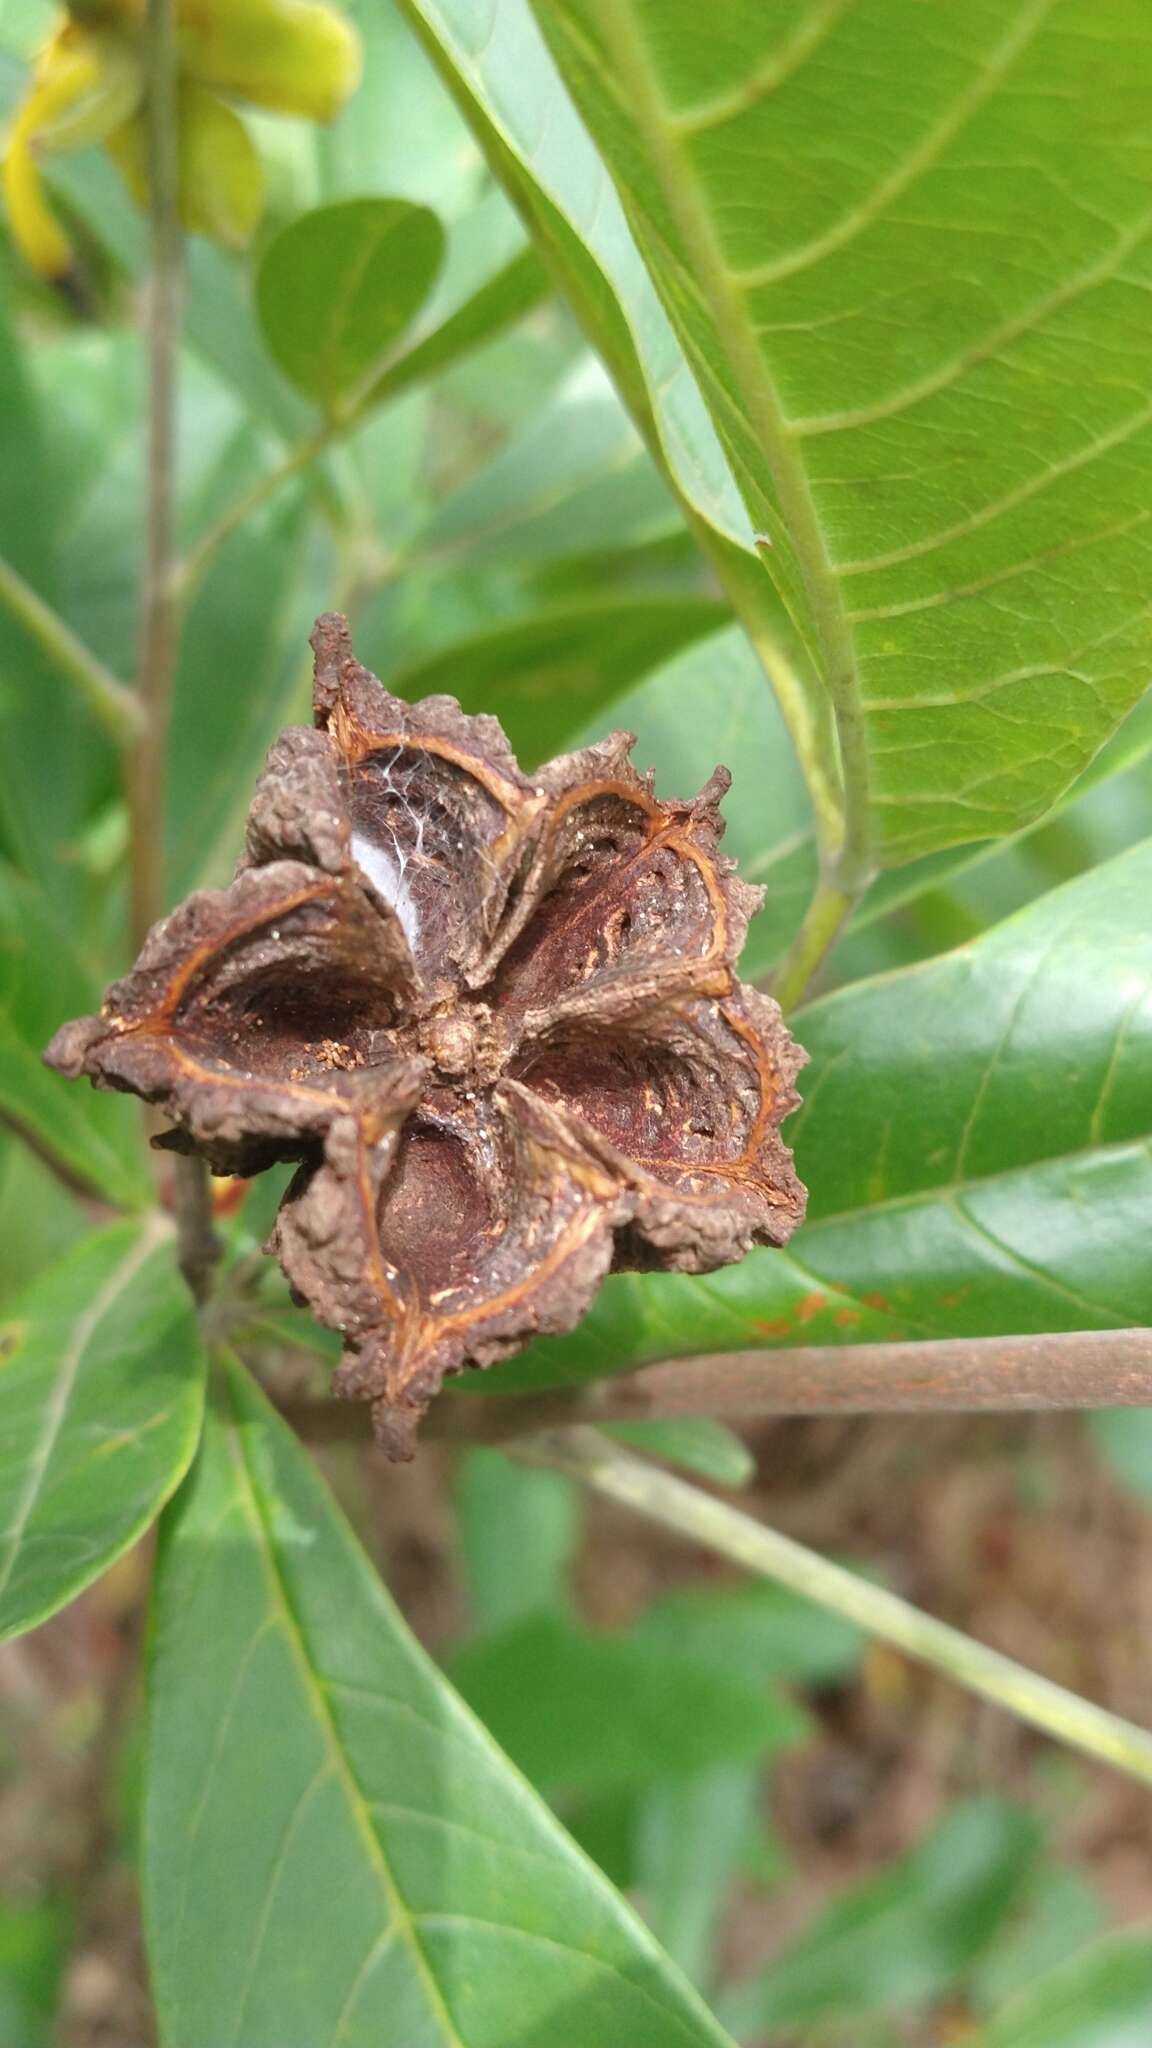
(1101,1998)
(1064,1908)
(1032,1044)
(576,478)
(383,1875)
(507,296)
(92,1140)
(1128,748)
(517,1528)
(1014,1194)
(764,1634)
(695,1442)
(508,89)
(244,672)
(910,275)
(33,1951)
(101,1389)
(547,675)
(901,1940)
(689,1842)
(339,285)
(584,1712)
(39,1220)
(398,132)
(220,325)
(55,761)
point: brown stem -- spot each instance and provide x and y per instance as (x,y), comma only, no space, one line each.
(1075,1369)
(159,635)
(199,1248)
(158,629)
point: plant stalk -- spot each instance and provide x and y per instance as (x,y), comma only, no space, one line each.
(299,458)
(696,1516)
(1061,1372)
(824,920)
(157,640)
(159,634)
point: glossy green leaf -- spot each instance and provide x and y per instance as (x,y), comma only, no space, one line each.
(101,1392)
(1101,1998)
(546,675)
(92,1140)
(1032,1044)
(900,1940)
(338,287)
(584,1712)
(383,1875)
(976,1137)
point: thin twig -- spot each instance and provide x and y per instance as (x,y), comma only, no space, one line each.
(298,458)
(824,920)
(147,777)
(157,643)
(699,1518)
(1065,1370)
(115,705)
(200,1249)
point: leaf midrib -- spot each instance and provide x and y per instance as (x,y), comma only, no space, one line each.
(950,1190)
(402,1920)
(674,172)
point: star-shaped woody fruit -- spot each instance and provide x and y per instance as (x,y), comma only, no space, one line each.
(496,1018)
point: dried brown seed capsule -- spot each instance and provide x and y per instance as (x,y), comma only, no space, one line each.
(495,1017)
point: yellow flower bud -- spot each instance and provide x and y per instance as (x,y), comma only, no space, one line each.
(221,177)
(84,85)
(35,229)
(295,56)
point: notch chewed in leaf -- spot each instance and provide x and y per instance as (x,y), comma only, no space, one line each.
(494,1016)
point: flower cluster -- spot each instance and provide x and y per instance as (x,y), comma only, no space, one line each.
(494,1016)
(295,56)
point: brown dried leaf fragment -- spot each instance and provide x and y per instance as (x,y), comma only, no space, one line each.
(496,1018)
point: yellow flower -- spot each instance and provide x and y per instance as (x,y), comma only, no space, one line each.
(294,56)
